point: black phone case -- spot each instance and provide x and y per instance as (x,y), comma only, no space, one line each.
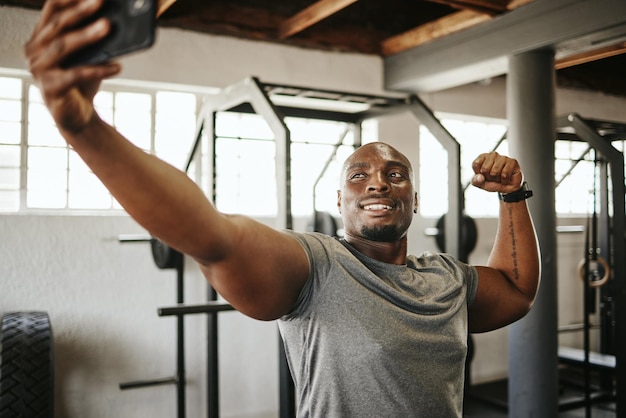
(133,27)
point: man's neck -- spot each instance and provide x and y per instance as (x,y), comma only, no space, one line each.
(386,252)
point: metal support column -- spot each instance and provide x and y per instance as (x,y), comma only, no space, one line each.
(533,341)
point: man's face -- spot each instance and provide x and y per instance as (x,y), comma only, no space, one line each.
(377,197)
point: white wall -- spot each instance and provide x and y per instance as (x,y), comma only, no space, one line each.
(102,295)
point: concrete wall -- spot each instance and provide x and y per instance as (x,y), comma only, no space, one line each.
(102,296)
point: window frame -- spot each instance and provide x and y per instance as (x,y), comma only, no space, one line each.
(152,89)
(113,86)
(575,208)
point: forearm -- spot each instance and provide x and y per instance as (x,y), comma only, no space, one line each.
(515,252)
(158,196)
(507,286)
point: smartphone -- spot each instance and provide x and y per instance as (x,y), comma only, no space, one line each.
(133,28)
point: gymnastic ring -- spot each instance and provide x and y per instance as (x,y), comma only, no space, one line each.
(601,262)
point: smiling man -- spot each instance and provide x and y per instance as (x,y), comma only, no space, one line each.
(377,332)
(377,197)
(368,329)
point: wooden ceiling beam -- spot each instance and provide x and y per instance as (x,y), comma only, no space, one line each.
(310,16)
(441,27)
(163,5)
(432,30)
(589,56)
(490,7)
(514,4)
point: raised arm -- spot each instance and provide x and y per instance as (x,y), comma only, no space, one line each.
(507,286)
(260,280)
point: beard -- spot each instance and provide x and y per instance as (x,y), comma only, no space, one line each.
(381,233)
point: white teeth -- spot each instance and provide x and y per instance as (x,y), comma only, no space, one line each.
(376,207)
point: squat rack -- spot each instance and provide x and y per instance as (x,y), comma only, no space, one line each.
(274,102)
(612,245)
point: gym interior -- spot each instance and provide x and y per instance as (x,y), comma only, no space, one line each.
(121,340)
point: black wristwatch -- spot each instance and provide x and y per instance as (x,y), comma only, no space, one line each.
(522,194)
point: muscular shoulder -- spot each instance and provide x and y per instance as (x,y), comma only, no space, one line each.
(316,245)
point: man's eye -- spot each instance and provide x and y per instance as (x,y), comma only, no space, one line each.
(396,174)
(357,175)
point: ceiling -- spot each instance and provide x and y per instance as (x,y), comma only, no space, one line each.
(386,28)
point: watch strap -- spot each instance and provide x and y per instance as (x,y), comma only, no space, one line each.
(522,194)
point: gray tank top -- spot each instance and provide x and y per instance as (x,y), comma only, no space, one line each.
(371,339)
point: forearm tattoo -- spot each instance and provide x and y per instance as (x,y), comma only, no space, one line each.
(513,244)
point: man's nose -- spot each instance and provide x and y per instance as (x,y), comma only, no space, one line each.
(378,182)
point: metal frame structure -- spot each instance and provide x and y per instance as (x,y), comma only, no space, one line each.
(179,379)
(612,239)
(252,96)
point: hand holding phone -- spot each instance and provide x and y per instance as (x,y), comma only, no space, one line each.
(133,28)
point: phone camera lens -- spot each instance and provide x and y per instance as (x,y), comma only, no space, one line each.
(139,5)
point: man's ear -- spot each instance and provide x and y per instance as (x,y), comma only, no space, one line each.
(339,200)
(416,204)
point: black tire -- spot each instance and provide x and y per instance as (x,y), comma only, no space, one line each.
(26,366)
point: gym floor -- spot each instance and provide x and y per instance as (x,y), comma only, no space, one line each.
(489,400)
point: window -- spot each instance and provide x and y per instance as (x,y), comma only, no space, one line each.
(574,168)
(10,142)
(475,136)
(246,165)
(38,171)
(574,171)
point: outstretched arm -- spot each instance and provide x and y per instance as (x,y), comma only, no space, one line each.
(507,286)
(260,280)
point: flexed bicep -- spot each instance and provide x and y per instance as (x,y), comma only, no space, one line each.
(498,302)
